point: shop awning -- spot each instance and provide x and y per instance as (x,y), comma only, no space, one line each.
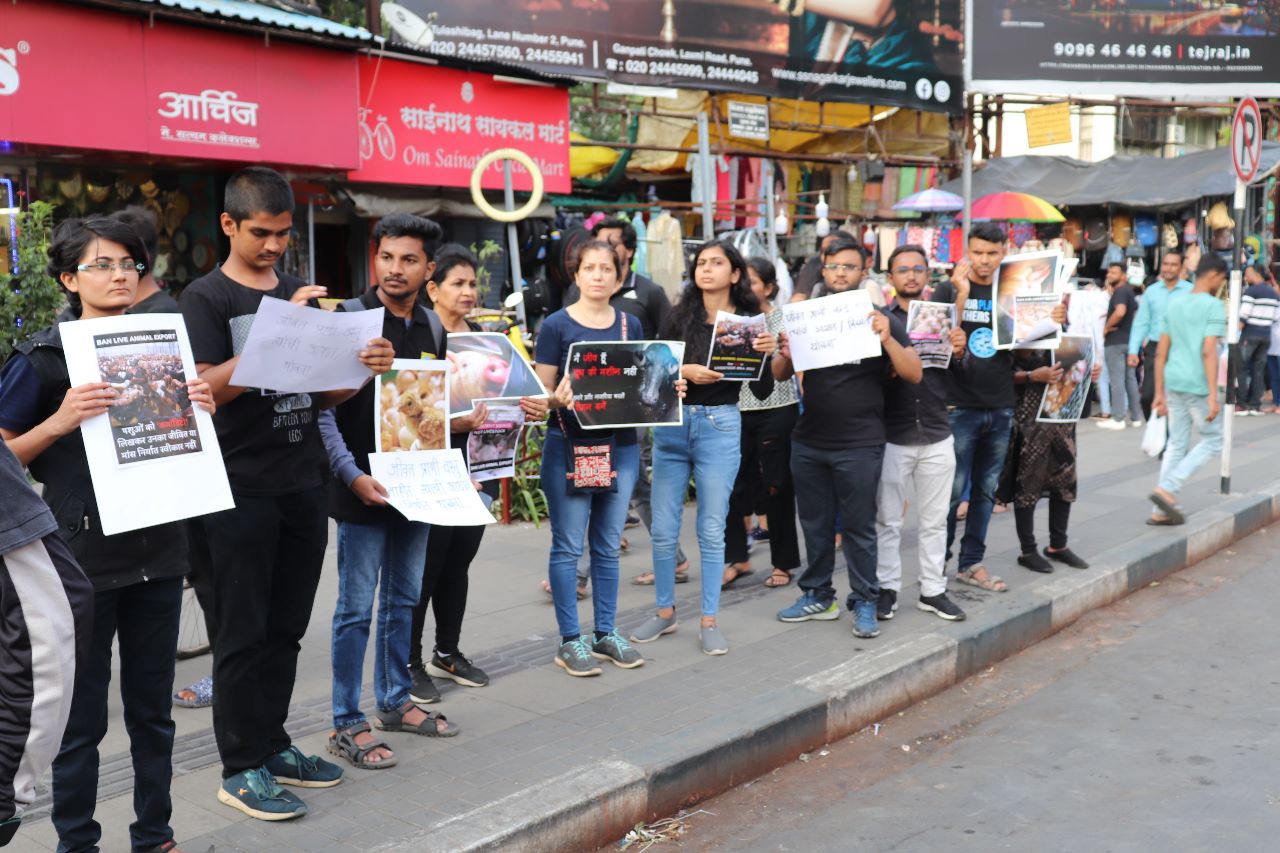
(254,13)
(1124,180)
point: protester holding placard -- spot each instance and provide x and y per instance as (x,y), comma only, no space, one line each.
(587,477)
(707,443)
(837,451)
(453,291)
(380,552)
(267,552)
(136,575)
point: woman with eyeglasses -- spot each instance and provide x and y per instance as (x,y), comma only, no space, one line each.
(136,576)
(707,444)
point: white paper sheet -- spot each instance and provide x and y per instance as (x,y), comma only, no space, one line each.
(143,473)
(831,330)
(432,486)
(298,349)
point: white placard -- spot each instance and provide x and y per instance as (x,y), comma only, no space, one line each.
(297,349)
(431,486)
(154,458)
(831,330)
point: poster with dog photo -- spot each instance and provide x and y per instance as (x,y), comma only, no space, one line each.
(485,366)
(411,406)
(1064,400)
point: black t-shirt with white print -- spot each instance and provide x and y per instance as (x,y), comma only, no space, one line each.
(270,442)
(984,377)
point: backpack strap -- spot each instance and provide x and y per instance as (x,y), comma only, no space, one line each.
(353,304)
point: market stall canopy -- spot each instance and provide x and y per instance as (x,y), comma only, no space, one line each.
(1126,180)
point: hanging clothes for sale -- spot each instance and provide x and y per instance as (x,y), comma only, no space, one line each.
(887,243)
(666,255)
(641,260)
(751,187)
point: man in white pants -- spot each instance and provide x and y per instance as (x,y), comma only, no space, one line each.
(920,451)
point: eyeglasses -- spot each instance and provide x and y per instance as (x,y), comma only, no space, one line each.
(109,267)
(918,268)
(842,267)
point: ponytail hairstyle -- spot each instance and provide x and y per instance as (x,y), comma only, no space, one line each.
(72,238)
(767,273)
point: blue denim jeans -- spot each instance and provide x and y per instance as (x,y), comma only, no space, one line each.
(709,445)
(982,442)
(843,483)
(1273,377)
(1181,459)
(385,559)
(596,519)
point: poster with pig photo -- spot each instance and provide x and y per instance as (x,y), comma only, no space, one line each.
(485,366)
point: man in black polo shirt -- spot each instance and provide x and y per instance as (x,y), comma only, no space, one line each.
(919,451)
(837,452)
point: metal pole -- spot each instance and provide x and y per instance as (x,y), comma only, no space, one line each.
(311,241)
(708,177)
(513,243)
(1233,337)
(966,174)
(770,208)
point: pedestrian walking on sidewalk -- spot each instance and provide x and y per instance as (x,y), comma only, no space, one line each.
(919,458)
(380,552)
(1187,385)
(837,453)
(707,444)
(136,575)
(577,515)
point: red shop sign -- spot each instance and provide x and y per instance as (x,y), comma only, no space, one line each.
(81,78)
(429,126)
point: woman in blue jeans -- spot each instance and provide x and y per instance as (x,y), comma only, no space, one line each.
(575,516)
(708,443)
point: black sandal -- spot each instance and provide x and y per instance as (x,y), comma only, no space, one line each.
(393,721)
(342,743)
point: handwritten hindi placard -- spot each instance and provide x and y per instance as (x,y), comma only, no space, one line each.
(831,330)
(298,349)
(431,486)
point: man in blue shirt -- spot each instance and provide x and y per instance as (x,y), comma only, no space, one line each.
(1145,334)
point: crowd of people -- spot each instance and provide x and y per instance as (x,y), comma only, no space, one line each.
(862,437)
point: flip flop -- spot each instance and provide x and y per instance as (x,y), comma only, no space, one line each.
(1163,522)
(203,690)
(647,578)
(1170,509)
(738,574)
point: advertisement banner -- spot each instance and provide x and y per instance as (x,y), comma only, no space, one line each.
(897,52)
(1204,48)
(427,125)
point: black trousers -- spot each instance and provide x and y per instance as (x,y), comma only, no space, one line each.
(266,558)
(201,575)
(1148,392)
(766,453)
(144,617)
(450,551)
(1024,521)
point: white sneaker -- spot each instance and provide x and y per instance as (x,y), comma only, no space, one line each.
(1112,424)
(1242,413)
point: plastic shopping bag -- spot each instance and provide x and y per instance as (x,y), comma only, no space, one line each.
(1155,435)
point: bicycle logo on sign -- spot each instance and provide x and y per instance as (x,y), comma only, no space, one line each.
(381,135)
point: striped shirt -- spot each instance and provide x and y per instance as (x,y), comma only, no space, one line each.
(1259,308)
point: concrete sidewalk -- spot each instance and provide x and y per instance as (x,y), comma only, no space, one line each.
(548,762)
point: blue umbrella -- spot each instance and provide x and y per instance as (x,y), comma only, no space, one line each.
(930,201)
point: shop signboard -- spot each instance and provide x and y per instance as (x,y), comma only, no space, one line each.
(897,52)
(169,89)
(429,126)
(1201,48)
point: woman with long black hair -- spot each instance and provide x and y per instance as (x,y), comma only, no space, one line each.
(708,443)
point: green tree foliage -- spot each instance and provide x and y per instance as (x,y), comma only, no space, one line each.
(32,300)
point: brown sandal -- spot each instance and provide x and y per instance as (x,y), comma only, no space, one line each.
(981,578)
(779,578)
(342,743)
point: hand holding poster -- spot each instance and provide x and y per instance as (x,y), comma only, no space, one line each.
(485,366)
(731,346)
(298,349)
(491,447)
(1064,400)
(431,486)
(1023,296)
(831,330)
(154,457)
(929,326)
(409,406)
(626,383)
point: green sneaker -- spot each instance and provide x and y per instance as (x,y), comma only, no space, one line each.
(291,767)
(612,647)
(575,658)
(256,793)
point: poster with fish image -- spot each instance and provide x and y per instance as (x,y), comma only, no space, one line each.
(411,406)
(626,383)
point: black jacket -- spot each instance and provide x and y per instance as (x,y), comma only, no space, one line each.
(110,562)
(916,413)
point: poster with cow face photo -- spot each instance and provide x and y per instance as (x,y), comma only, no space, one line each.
(626,383)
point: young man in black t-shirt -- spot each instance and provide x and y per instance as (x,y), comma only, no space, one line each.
(267,552)
(837,451)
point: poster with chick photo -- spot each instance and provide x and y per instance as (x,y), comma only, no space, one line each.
(411,406)
(486,366)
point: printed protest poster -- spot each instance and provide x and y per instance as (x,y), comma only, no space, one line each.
(485,366)
(153,457)
(1064,400)
(298,349)
(492,446)
(1017,279)
(410,406)
(731,353)
(1087,314)
(929,326)
(431,486)
(831,330)
(626,383)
